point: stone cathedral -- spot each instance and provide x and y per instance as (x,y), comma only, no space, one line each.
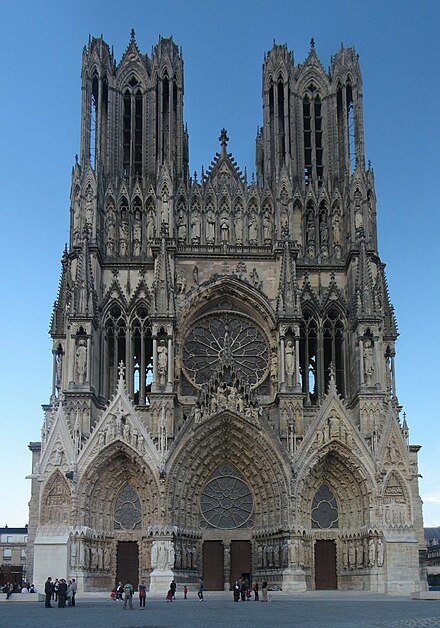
(223,390)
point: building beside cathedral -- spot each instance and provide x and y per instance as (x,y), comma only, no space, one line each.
(223,389)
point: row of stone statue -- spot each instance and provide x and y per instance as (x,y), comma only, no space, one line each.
(119,427)
(185,555)
(362,553)
(93,556)
(333,429)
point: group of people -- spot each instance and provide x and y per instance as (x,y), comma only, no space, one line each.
(125,593)
(14,587)
(61,591)
(242,590)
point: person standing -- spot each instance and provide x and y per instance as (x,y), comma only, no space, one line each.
(48,590)
(264,589)
(74,588)
(200,591)
(62,592)
(173,588)
(128,595)
(185,592)
(236,591)
(142,595)
(255,589)
(69,593)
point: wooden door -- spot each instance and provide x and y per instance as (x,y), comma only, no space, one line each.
(128,563)
(325,565)
(240,561)
(213,568)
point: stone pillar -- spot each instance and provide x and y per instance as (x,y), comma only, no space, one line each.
(361,361)
(170,362)
(154,382)
(227,565)
(296,375)
(54,371)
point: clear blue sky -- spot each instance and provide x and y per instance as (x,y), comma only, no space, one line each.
(223,46)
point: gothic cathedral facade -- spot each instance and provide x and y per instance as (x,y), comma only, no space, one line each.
(223,390)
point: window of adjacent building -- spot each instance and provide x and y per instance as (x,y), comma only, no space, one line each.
(7,554)
(23,553)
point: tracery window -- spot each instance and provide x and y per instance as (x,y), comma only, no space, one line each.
(313,136)
(325,513)
(127,512)
(309,356)
(333,336)
(115,346)
(230,339)
(142,352)
(226,501)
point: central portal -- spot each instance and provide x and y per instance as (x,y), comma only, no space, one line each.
(213,565)
(240,561)
(325,565)
(128,563)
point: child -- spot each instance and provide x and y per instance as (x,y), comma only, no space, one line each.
(185,592)
(169,596)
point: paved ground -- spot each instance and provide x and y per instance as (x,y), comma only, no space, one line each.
(312,609)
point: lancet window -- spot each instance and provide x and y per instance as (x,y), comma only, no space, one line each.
(115,346)
(313,136)
(132,129)
(333,336)
(142,355)
(309,357)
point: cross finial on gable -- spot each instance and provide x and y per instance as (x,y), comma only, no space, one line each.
(121,370)
(224,139)
(312,43)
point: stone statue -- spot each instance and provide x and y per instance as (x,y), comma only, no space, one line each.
(238,221)
(311,236)
(224,229)
(210,227)
(165,208)
(81,361)
(111,234)
(252,229)
(73,552)
(368,363)
(150,226)
(162,362)
(123,237)
(266,228)
(289,357)
(196,276)
(195,227)
(379,553)
(137,233)
(371,553)
(181,227)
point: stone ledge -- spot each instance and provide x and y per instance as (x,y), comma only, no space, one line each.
(22,597)
(426,595)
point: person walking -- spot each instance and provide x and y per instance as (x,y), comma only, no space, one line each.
(236,591)
(128,595)
(200,591)
(142,595)
(48,590)
(185,592)
(69,593)
(264,590)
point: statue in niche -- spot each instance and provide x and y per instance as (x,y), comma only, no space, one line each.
(351,555)
(210,227)
(323,232)
(81,361)
(336,225)
(180,281)
(150,226)
(89,208)
(165,208)
(195,227)
(76,220)
(137,233)
(162,362)
(111,233)
(380,553)
(253,229)
(368,362)
(73,552)
(311,236)
(256,280)
(123,235)
(358,219)
(126,431)
(359,555)
(196,276)
(239,227)
(181,227)
(289,361)
(266,228)
(371,553)
(59,370)
(224,228)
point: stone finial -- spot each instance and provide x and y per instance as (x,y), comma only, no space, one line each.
(312,43)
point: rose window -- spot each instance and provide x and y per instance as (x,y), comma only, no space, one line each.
(232,340)
(226,500)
